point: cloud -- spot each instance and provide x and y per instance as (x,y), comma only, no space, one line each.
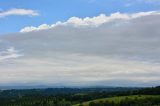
(151,1)
(130,3)
(21,12)
(10,53)
(120,50)
(90,22)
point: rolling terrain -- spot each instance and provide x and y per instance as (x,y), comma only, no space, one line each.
(116,96)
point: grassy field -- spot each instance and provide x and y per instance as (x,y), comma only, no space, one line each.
(117,99)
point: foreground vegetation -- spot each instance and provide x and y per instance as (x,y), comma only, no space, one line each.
(133,100)
(81,97)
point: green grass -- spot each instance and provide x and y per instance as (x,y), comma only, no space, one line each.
(117,99)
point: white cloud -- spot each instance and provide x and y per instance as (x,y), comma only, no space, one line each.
(20,12)
(91,22)
(151,1)
(129,3)
(10,53)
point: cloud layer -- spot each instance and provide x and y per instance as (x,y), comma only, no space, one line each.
(10,53)
(90,22)
(21,12)
(116,50)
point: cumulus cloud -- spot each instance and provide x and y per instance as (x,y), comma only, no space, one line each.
(21,12)
(90,22)
(122,50)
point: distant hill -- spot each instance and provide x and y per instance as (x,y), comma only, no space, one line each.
(54,91)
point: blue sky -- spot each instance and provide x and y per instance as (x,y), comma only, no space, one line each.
(51,11)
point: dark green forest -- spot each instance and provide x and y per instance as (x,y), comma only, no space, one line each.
(78,97)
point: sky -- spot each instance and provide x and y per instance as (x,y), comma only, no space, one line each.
(51,11)
(79,42)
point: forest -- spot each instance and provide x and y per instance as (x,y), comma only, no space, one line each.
(112,96)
